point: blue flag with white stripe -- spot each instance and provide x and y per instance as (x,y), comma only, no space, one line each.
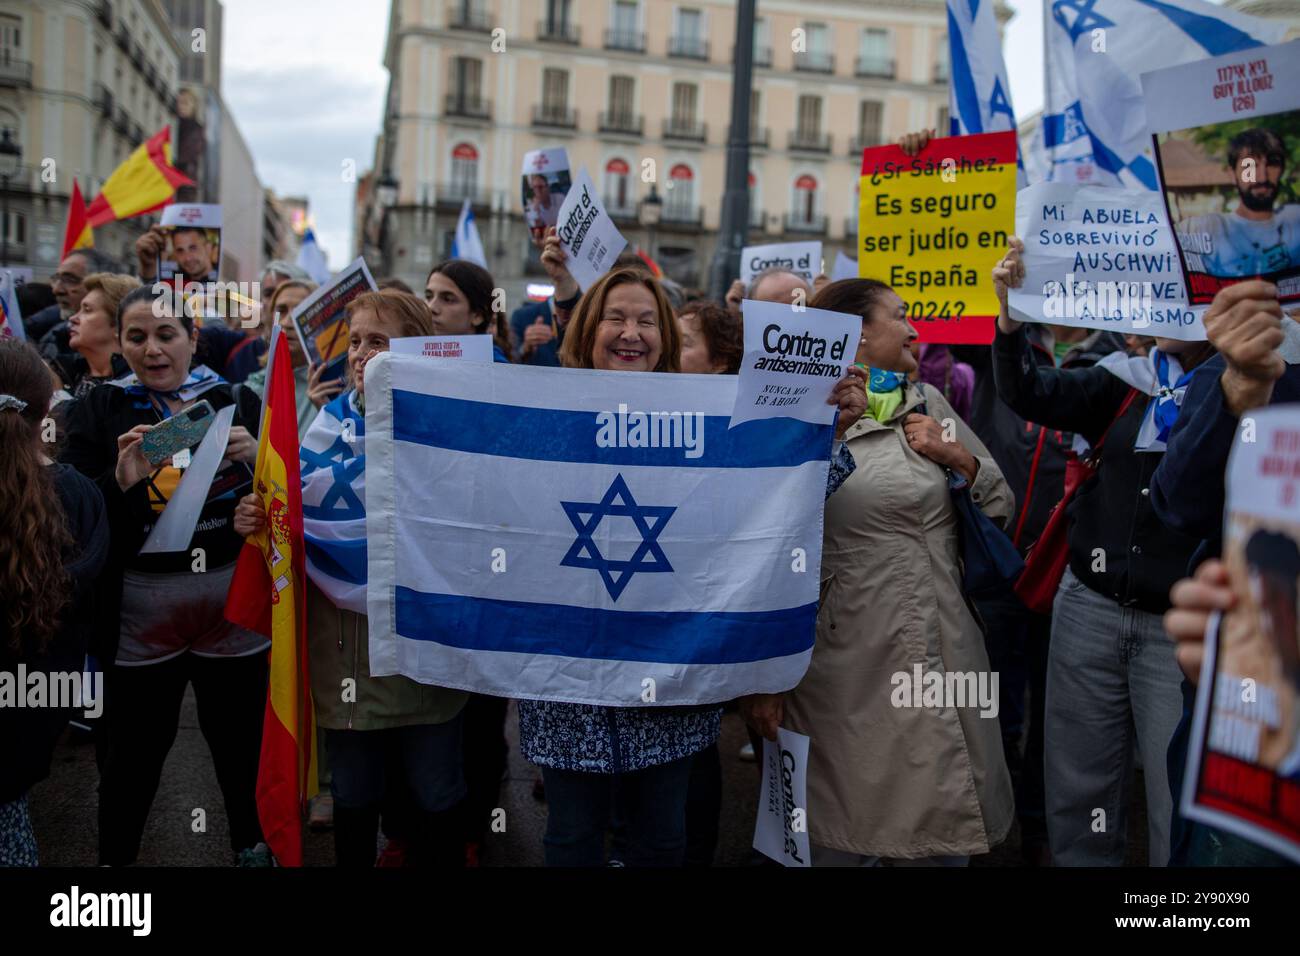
(586,536)
(332,460)
(466,242)
(979,93)
(1094,123)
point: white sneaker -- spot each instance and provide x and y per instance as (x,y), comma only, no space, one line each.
(747,753)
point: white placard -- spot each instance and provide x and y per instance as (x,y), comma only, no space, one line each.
(1099,257)
(471,348)
(793,358)
(781,831)
(845,268)
(802,258)
(586,232)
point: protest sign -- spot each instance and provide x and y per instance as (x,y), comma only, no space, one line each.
(544,182)
(1100,257)
(321,319)
(845,268)
(1226,133)
(1243,760)
(793,358)
(649,564)
(781,830)
(933,225)
(587,234)
(804,259)
(193,249)
(472,348)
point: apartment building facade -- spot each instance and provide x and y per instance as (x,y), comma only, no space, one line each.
(82,83)
(639,93)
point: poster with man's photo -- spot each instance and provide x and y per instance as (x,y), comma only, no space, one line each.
(192,252)
(1243,762)
(545,181)
(1226,135)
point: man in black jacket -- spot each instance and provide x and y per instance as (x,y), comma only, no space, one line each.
(1032,459)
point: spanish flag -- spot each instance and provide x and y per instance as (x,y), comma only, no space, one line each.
(144,183)
(268,595)
(77,234)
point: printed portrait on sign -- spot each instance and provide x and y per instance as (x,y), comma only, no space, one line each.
(1233,197)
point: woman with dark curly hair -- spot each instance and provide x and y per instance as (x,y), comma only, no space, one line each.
(713,340)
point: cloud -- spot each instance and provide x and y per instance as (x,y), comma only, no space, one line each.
(305,82)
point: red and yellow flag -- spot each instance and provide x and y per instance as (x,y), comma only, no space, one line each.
(268,595)
(77,234)
(144,183)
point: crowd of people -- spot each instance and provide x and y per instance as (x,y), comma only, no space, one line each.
(1094,678)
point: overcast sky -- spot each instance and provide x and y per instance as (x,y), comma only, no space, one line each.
(305,82)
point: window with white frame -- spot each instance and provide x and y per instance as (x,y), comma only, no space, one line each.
(679,204)
(618,185)
(464,171)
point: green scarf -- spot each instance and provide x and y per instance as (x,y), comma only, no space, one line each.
(882,405)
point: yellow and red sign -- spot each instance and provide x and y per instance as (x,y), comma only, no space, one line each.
(933,225)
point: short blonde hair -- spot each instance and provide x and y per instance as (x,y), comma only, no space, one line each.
(113,287)
(409,313)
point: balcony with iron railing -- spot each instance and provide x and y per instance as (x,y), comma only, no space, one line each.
(555,117)
(809,141)
(681,214)
(681,128)
(762,56)
(632,41)
(803,223)
(688,47)
(15,72)
(876,66)
(759,137)
(864,141)
(464,104)
(104,100)
(623,123)
(469,17)
(454,195)
(559,31)
(814,61)
(624,213)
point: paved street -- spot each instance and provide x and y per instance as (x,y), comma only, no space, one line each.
(64,809)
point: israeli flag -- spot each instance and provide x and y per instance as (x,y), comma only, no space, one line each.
(311,259)
(979,92)
(1094,123)
(332,460)
(584,536)
(466,243)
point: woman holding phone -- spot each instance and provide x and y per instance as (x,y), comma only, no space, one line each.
(163,610)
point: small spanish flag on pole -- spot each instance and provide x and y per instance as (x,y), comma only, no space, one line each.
(268,594)
(77,234)
(144,183)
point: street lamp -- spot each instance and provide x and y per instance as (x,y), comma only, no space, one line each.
(11,157)
(652,208)
(386,196)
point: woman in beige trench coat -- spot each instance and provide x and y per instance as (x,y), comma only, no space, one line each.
(886,781)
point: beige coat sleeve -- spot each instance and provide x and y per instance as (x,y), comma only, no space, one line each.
(990,490)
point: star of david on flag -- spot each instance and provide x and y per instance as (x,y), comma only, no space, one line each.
(585,553)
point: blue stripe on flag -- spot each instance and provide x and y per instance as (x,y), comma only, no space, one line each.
(667,637)
(544,434)
(964,93)
(1214,35)
(341,560)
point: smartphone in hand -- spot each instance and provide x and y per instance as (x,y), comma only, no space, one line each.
(183,430)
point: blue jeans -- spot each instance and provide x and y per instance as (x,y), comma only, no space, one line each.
(652,804)
(428,756)
(1112,683)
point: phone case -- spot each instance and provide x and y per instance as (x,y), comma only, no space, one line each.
(183,430)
